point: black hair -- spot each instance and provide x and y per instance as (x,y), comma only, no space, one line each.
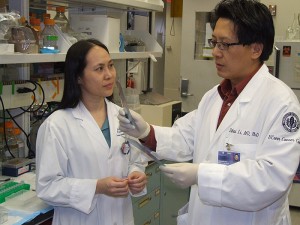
(74,65)
(252,20)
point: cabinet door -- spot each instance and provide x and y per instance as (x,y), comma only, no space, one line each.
(146,208)
(172,199)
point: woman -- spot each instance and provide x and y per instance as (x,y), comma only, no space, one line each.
(85,168)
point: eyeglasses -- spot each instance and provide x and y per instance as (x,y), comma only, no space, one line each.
(221,45)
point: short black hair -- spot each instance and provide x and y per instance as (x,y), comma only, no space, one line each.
(253,22)
(74,66)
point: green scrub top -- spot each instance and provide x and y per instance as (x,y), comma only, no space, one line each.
(106,132)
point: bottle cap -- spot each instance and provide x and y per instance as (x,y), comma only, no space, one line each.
(22,20)
(60,9)
(46,16)
(9,124)
(49,22)
(35,21)
(16,131)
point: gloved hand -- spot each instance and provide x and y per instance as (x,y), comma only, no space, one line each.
(182,174)
(141,131)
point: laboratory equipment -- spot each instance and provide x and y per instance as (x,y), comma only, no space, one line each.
(287,63)
(287,69)
(10,188)
(16,166)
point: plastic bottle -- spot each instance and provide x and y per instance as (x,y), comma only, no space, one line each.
(61,20)
(2,146)
(36,25)
(49,37)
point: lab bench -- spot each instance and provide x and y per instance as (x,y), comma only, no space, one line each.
(158,207)
(26,208)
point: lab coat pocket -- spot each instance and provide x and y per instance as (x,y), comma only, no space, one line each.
(247,151)
(182,218)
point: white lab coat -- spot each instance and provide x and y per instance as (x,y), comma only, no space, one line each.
(72,154)
(255,190)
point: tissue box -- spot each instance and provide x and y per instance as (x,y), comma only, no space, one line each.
(105,29)
(7,48)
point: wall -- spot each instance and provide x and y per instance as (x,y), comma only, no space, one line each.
(179,56)
(172,52)
(159,66)
(202,74)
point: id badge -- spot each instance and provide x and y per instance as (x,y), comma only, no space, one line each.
(228,158)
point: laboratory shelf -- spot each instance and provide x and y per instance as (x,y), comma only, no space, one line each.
(149,5)
(153,49)
(152,5)
(16,58)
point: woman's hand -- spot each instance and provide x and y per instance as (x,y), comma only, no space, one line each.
(113,186)
(137,182)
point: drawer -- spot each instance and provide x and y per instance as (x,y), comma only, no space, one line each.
(153,175)
(146,206)
(153,220)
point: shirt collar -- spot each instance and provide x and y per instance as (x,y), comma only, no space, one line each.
(225,88)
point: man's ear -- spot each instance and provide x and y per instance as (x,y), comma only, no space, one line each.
(257,49)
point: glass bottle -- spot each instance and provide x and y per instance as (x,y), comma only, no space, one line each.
(20,143)
(49,37)
(3,6)
(61,20)
(293,31)
(11,141)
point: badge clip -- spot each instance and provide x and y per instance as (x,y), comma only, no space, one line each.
(228,146)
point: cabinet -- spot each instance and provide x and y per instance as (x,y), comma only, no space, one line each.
(146,209)
(163,199)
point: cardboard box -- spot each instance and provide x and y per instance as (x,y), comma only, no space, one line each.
(105,29)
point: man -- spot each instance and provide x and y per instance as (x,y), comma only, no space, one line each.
(243,139)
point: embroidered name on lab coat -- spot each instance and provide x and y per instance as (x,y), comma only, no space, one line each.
(244,132)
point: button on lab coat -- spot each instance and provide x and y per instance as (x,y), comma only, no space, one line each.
(72,154)
(253,191)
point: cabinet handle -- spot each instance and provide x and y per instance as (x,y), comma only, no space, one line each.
(147,223)
(144,202)
(157,170)
(149,174)
(157,192)
(156,215)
